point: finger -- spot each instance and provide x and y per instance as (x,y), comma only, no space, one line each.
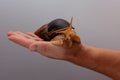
(28,36)
(20,40)
(18,33)
(33,36)
(40,47)
(37,46)
(14,33)
(47,49)
(10,33)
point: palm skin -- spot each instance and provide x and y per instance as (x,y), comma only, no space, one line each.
(34,43)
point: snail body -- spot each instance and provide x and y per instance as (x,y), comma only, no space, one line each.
(59,32)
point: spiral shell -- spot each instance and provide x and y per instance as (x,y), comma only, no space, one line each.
(59,32)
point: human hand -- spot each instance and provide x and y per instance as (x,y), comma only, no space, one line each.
(34,43)
(97,59)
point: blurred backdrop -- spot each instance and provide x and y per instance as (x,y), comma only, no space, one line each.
(97,22)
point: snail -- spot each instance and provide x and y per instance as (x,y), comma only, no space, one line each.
(59,32)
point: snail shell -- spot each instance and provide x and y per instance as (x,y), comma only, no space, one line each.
(59,32)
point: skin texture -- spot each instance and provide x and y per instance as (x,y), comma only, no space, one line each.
(104,61)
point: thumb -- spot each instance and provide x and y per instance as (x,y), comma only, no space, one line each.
(40,46)
(47,49)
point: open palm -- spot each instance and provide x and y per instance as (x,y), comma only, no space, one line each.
(34,43)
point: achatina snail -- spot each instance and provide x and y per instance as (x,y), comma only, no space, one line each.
(59,32)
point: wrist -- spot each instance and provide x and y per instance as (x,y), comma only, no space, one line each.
(77,54)
(83,57)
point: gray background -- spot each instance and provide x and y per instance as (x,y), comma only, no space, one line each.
(96,21)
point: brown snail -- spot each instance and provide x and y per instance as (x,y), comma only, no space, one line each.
(59,32)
